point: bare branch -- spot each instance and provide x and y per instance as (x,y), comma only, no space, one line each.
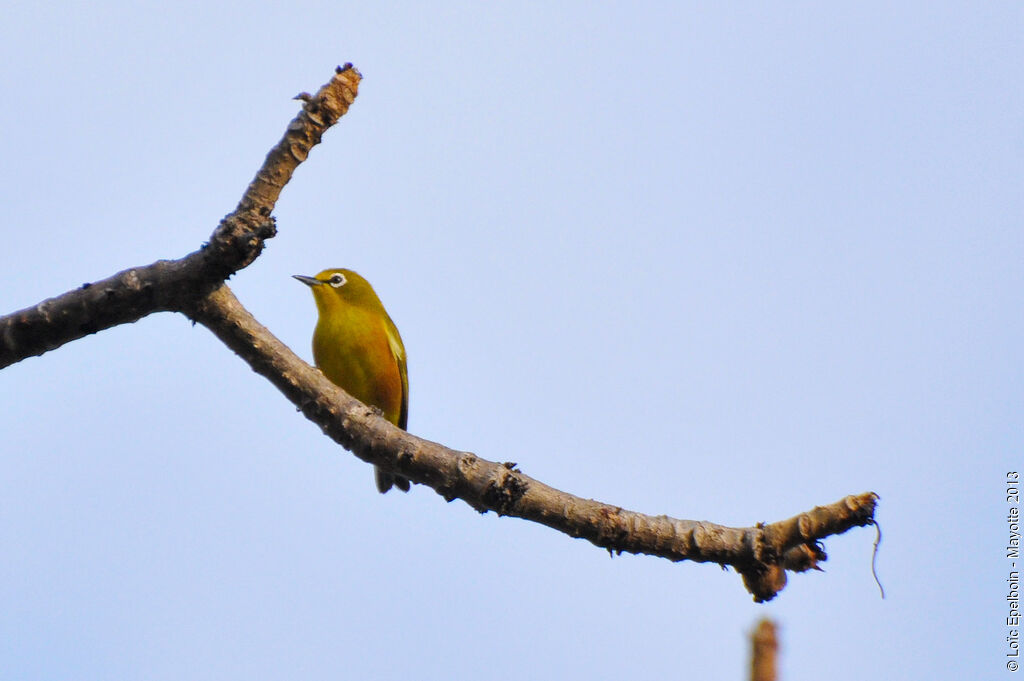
(762,554)
(195,286)
(168,284)
(764,644)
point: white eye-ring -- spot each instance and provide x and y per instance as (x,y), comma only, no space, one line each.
(337,280)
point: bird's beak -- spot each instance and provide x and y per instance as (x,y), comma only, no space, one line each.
(308,281)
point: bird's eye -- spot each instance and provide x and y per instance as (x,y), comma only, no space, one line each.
(337,280)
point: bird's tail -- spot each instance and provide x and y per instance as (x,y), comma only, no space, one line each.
(385,481)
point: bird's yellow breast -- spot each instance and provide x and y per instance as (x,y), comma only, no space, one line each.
(354,349)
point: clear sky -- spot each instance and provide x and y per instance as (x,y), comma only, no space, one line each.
(721,261)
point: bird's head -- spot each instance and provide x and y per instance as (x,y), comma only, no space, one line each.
(337,288)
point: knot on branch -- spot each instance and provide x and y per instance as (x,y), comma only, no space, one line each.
(504,491)
(236,243)
(764,581)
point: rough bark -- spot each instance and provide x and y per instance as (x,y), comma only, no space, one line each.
(194,285)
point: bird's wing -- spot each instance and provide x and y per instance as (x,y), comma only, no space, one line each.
(398,351)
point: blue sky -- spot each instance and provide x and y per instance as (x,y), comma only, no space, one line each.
(719,261)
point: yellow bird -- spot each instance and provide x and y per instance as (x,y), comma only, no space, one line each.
(357,346)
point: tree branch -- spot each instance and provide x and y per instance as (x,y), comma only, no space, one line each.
(168,285)
(764,651)
(194,286)
(761,554)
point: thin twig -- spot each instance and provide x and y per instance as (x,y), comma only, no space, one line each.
(170,285)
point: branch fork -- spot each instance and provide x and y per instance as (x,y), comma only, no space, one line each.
(194,286)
